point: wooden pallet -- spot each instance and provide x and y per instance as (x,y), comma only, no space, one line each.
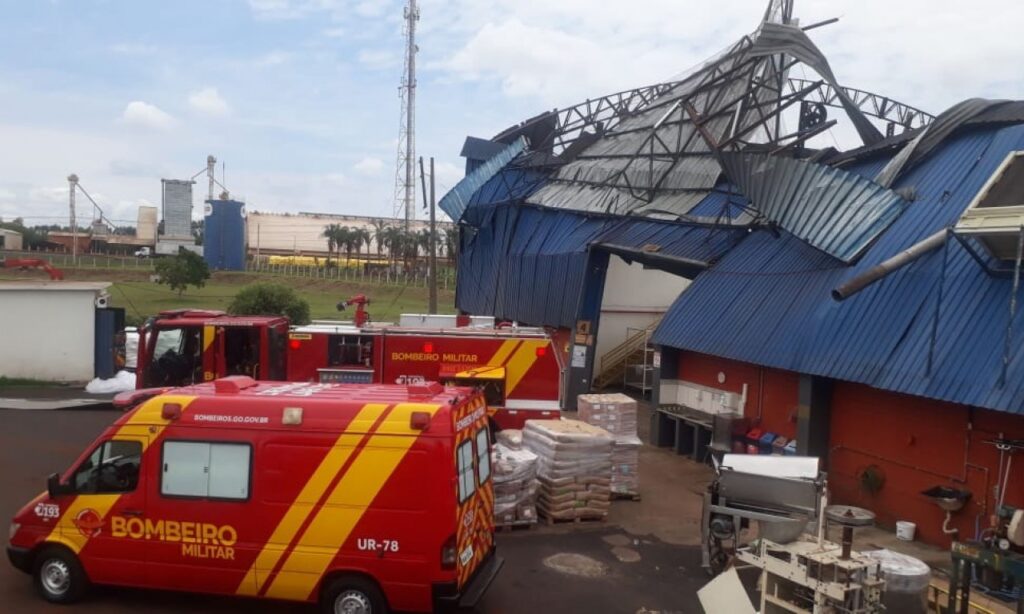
(515,525)
(576,520)
(625,496)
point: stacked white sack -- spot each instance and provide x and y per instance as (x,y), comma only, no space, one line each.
(616,413)
(574,467)
(515,485)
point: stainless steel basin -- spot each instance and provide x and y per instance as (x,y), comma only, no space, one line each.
(949,499)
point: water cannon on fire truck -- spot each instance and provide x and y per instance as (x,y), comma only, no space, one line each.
(362,317)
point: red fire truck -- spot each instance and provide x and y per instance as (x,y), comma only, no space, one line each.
(293,491)
(519,369)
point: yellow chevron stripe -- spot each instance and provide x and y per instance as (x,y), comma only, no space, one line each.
(347,503)
(209,333)
(145,425)
(502,354)
(307,499)
(521,362)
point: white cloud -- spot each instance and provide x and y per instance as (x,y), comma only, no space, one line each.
(7,195)
(208,101)
(369,166)
(53,194)
(338,32)
(272,58)
(378,58)
(141,113)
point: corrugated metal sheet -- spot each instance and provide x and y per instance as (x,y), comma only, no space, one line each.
(454,203)
(834,210)
(767,301)
(528,263)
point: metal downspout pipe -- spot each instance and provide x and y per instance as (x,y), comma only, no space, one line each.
(884,268)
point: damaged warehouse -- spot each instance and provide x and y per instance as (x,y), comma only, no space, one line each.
(805,316)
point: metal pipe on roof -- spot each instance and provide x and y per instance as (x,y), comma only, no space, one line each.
(884,268)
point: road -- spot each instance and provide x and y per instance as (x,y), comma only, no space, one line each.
(622,572)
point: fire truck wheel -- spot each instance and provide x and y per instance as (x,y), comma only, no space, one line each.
(59,576)
(353,595)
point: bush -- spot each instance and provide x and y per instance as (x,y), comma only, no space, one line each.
(186,269)
(267,299)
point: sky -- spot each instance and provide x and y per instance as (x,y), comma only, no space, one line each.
(299,98)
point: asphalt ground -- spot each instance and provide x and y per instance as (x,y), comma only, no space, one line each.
(620,572)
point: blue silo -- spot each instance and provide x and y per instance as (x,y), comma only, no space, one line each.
(224,235)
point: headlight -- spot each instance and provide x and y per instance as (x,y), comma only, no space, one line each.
(12,531)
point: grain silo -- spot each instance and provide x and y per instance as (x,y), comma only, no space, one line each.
(224,235)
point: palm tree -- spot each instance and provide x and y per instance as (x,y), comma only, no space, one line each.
(380,232)
(331,234)
(361,236)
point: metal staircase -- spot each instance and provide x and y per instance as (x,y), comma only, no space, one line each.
(635,350)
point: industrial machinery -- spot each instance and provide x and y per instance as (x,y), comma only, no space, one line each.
(995,561)
(800,572)
(27,263)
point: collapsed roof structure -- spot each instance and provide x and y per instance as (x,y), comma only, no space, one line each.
(700,175)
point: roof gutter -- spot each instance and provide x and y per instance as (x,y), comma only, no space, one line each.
(886,267)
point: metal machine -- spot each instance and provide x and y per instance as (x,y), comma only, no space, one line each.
(800,572)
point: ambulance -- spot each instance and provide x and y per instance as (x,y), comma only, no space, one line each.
(360,498)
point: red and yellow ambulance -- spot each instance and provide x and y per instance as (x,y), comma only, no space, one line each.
(362,498)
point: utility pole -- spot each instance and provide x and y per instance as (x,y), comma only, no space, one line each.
(72,187)
(431,238)
(405,174)
(432,306)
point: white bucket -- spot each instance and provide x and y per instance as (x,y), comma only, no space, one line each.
(905,530)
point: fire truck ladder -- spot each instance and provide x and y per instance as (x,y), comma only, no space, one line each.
(634,350)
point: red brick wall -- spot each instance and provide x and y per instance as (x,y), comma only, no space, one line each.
(771,394)
(918,443)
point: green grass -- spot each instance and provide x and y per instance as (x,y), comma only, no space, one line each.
(143,298)
(24,382)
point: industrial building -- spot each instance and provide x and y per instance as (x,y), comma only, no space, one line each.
(288,234)
(10,239)
(51,330)
(804,313)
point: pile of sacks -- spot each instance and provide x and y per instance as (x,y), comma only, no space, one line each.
(616,413)
(573,468)
(515,480)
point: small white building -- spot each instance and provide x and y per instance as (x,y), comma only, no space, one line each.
(48,329)
(11,239)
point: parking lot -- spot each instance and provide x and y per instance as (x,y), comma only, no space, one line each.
(644,558)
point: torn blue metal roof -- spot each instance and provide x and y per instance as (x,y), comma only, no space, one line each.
(834,210)
(522,263)
(454,203)
(767,301)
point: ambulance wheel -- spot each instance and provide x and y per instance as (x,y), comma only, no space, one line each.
(59,576)
(353,595)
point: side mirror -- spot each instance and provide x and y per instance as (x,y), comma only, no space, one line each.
(54,488)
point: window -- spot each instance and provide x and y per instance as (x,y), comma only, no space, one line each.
(112,467)
(177,357)
(464,462)
(210,470)
(483,454)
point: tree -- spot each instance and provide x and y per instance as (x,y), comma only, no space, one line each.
(380,235)
(269,299)
(186,269)
(331,234)
(361,237)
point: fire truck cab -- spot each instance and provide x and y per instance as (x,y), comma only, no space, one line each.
(363,498)
(190,346)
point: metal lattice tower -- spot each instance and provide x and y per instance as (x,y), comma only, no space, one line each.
(405,174)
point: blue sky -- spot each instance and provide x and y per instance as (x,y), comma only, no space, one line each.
(299,97)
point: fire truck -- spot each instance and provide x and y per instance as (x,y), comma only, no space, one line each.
(519,369)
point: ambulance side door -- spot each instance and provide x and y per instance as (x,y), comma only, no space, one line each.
(105,520)
(203,502)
